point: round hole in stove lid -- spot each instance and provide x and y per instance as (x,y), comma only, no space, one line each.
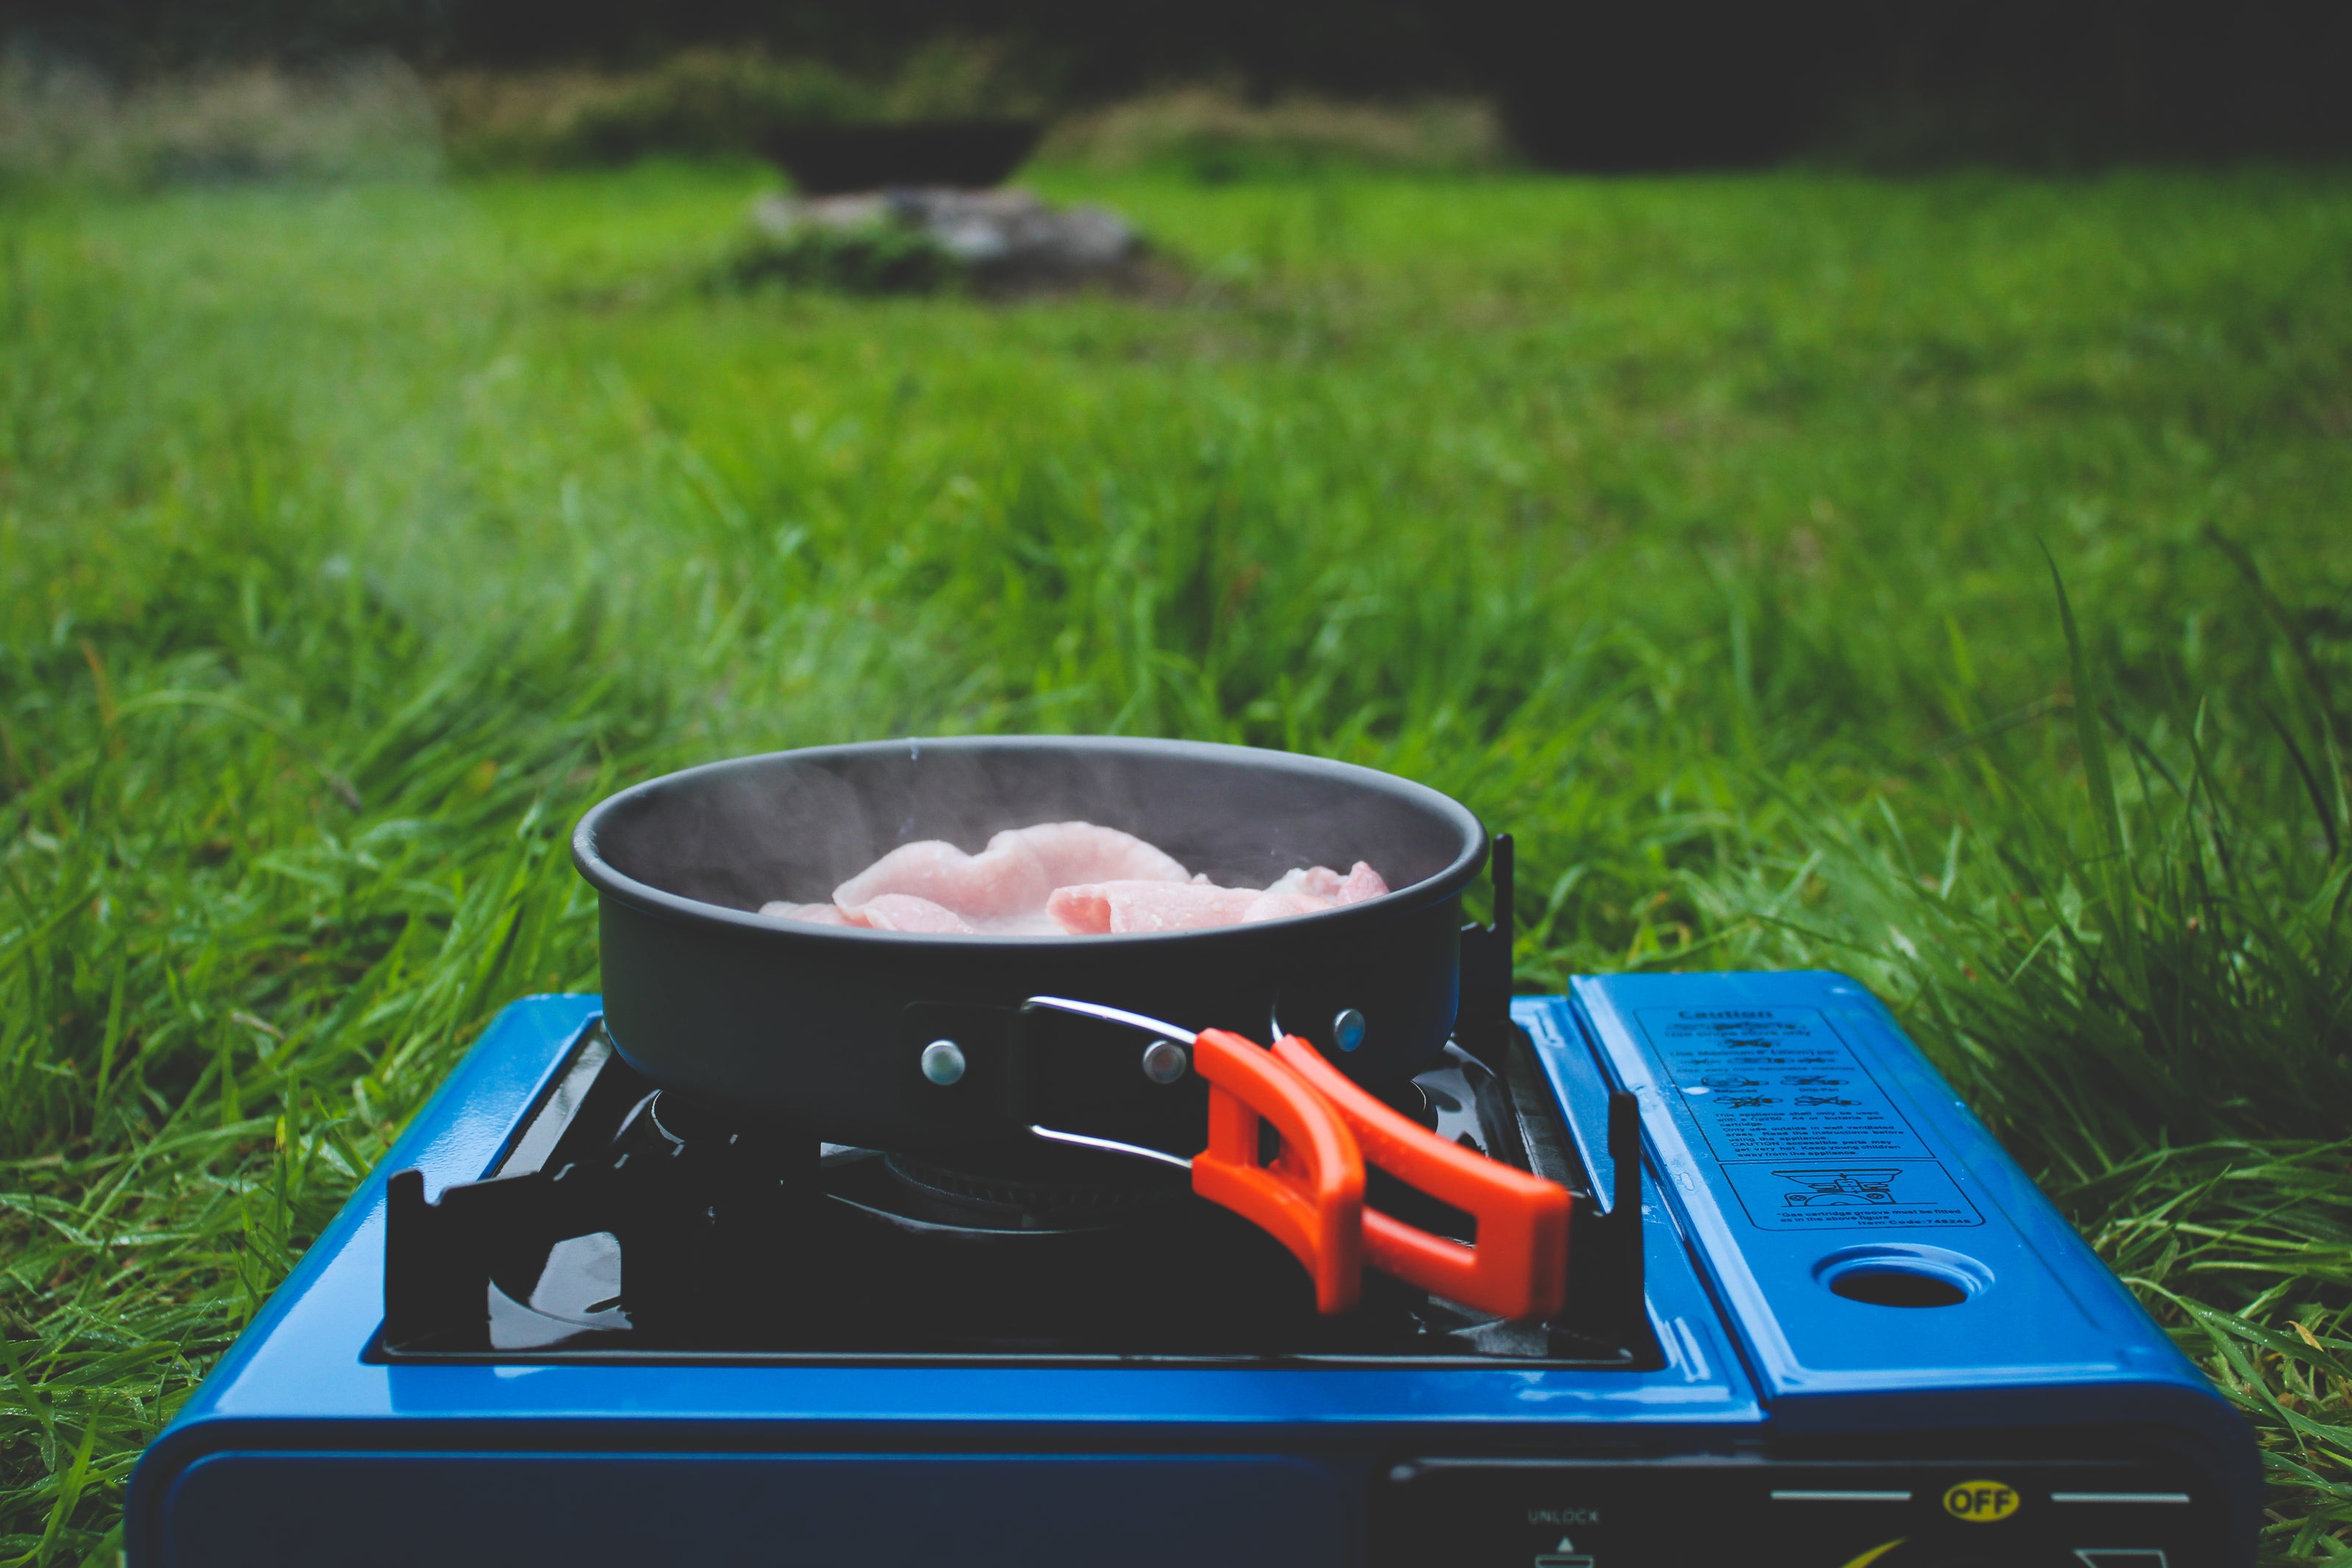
(725,838)
(1903,1275)
(1898,1287)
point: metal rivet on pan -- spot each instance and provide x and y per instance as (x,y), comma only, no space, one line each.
(1348,1028)
(943,1061)
(1164,1061)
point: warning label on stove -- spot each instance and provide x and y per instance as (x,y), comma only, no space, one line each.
(1808,1141)
(1767,1084)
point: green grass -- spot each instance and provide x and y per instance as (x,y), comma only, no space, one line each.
(352,540)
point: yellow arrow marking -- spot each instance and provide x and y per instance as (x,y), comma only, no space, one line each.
(1875,1553)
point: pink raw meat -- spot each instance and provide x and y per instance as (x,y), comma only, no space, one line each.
(1120,908)
(993,884)
(1080,851)
(1064,878)
(903,912)
(1309,889)
(1273,905)
(891,912)
(1011,877)
(806,913)
(1320,881)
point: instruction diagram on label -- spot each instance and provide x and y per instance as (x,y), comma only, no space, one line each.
(1805,1136)
(1904,1195)
(1831,1188)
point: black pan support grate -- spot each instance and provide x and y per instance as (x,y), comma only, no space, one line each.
(623,1224)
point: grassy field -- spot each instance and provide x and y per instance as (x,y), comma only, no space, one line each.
(1707,534)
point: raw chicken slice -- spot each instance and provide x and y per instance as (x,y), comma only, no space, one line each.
(1122,908)
(1081,851)
(1015,875)
(806,913)
(903,912)
(1273,905)
(1064,878)
(1320,881)
(1005,880)
(1309,889)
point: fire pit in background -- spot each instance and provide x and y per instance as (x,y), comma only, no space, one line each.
(909,239)
(910,206)
(959,154)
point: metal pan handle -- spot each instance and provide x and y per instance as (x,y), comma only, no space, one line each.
(1310,1198)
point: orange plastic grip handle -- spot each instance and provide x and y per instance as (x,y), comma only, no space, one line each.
(1312,1198)
(1518,1268)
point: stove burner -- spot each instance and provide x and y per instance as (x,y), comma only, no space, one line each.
(1047,1189)
(1031,1198)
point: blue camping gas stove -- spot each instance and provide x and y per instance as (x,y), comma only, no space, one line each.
(1817,1318)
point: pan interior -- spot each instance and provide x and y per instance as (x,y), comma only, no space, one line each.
(795,824)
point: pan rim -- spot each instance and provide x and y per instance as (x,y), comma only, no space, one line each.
(610,881)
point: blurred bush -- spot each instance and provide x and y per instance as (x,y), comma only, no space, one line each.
(707,101)
(64,124)
(1219,133)
(716,101)
(373,117)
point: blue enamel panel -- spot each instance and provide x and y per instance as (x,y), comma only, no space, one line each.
(1797,1133)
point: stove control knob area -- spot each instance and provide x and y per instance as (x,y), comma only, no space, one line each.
(1727,1512)
(943,1062)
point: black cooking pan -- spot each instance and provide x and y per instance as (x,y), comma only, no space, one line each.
(824,1028)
